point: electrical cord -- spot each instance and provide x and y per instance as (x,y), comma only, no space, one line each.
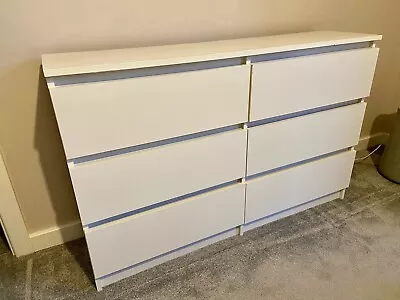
(365,157)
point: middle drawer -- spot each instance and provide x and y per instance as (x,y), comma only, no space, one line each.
(289,141)
(119,184)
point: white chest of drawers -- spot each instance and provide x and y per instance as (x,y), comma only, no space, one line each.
(172,148)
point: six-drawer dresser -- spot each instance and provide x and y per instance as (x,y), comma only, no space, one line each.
(171,148)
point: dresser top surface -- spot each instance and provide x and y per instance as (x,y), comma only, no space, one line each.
(73,63)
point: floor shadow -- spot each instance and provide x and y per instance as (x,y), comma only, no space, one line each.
(3,242)
(53,164)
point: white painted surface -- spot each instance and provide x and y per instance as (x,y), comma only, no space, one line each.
(290,85)
(126,242)
(287,188)
(114,277)
(111,186)
(123,59)
(107,115)
(56,235)
(285,142)
(11,217)
(291,211)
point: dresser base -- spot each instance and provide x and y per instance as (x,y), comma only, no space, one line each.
(293,210)
(117,276)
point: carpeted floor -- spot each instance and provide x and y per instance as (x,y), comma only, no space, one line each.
(345,249)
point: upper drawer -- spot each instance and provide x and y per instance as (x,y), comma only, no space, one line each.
(140,237)
(107,115)
(285,142)
(115,185)
(290,85)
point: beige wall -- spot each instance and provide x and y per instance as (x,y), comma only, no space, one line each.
(28,132)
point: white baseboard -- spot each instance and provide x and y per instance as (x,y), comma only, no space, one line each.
(56,235)
(372,140)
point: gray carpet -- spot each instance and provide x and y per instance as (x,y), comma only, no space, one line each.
(345,249)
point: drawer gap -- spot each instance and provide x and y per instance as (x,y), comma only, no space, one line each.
(302,113)
(305,52)
(145,72)
(108,154)
(160,204)
(261,174)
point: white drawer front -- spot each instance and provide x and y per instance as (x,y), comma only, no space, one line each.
(287,188)
(285,142)
(101,116)
(115,185)
(135,239)
(290,85)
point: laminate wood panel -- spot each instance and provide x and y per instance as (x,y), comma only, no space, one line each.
(290,187)
(132,240)
(288,141)
(291,85)
(107,115)
(115,185)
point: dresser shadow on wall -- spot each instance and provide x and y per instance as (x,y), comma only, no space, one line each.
(48,143)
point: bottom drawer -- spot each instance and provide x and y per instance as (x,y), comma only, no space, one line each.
(117,245)
(290,187)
